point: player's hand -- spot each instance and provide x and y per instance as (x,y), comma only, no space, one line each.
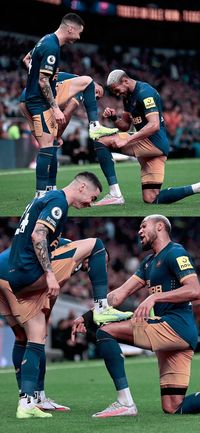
(143,311)
(78,326)
(59,116)
(108,112)
(60,142)
(118,142)
(53,288)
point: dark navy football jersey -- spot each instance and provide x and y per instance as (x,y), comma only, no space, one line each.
(165,272)
(50,210)
(144,100)
(45,58)
(4,258)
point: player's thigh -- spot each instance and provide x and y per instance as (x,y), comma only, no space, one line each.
(27,116)
(78,84)
(9,306)
(66,257)
(152,176)
(122,331)
(69,109)
(174,369)
(45,128)
(118,143)
(35,328)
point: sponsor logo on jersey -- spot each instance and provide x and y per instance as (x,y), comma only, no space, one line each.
(56,213)
(149,102)
(184,263)
(51,60)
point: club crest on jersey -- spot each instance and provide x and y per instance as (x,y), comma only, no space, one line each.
(158,264)
(149,102)
(51,60)
(184,263)
(56,213)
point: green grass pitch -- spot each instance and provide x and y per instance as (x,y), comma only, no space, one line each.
(86,387)
(17,189)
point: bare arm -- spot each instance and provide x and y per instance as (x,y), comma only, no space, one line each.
(153,125)
(39,239)
(189,291)
(123,123)
(117,296)
(46,90)
(48,95)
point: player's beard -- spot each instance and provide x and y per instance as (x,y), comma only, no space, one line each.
(149,243)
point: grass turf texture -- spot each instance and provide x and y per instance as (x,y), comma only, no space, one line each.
(87,388)
(18,188)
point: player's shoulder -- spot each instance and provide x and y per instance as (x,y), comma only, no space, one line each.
(48,41)
(176,248)
(5,254)
(145,89)
(145,262)
(54,198)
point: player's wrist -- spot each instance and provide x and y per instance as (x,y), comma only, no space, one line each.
(113,117)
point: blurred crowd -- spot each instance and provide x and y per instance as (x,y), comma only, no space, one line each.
(175,74)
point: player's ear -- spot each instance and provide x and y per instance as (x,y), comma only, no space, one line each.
(82,186)
(160,225)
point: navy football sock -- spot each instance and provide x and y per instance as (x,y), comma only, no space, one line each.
(42,372)
(90,102)
(53,167)
(113,358)
(30,367)
(106,162)
(190,404)
(44,160)
(17,356)
(171,195)
(97,271)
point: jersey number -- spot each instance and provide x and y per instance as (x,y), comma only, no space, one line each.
(23,224)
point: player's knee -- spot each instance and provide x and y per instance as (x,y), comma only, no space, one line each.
(149,195)
(171,403)
(86,80)
(20,334)
(98,246)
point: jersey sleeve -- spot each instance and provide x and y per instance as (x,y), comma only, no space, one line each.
(148,100)
(48,60)
(181,263)
(140,273)
(52,213)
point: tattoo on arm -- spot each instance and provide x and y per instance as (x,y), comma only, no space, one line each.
(47,91)
(41,248)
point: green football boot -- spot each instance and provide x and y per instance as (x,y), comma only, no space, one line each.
(110,314)
(32,412)
(101,131)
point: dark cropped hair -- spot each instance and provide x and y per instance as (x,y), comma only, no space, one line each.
(74,18)
(91,177)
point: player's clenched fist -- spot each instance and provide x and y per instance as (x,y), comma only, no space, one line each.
(109,112)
